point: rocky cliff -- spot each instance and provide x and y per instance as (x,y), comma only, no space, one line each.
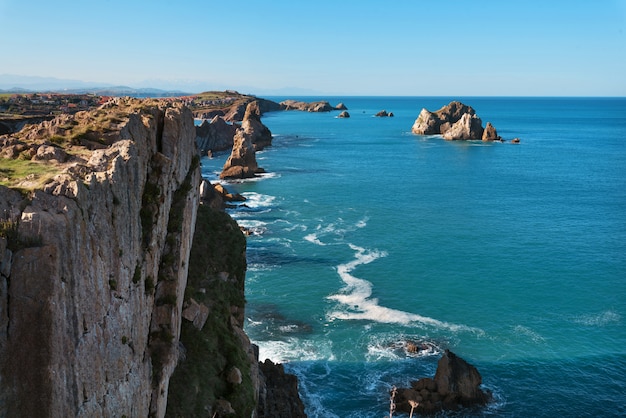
(95,248)
(121,293)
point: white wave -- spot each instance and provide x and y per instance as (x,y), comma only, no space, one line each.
(362,223)
(313,239)
(257,177)
(601,319)
(258,200)
(291,349)
(357,304)
(255,227)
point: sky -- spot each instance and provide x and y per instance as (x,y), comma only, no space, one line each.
(361,47)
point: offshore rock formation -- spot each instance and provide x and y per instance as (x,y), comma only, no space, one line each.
(455,121)
(251,136)
(321,106)
(94,263)
(456,384)
(216,135)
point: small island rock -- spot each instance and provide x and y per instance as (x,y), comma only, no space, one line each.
(344,114)
(454,121)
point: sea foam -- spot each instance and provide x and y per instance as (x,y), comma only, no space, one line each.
(357,304)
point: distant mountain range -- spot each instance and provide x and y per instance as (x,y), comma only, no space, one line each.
(10,83)
(28,84)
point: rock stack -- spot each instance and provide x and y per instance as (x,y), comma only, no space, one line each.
(456,384)
(455,121)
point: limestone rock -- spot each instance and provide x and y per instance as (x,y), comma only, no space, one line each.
(468,127)
(490,133)
(216,135)
(320,106)
(260,135)
(341,106)
(48,152)
(94,332)
(251,136)
(454,121)
(196,312)
(242,161)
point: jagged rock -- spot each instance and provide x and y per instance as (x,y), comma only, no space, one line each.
(320,106)
(468,127)
(48,152)
(456,383)
(251,136)
(279,393)
(382,114)
(242,161)
(216,135)
(196,313)
(91,335)
(341,106)
(490,133)
(260,135)
(344,114)
(453,121)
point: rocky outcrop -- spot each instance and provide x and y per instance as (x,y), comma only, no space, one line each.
(94,264)
(344,114)
(320,106)
(251,136)
(341,106)
(456,384)
(260,135)
(490,133)
(383,114)
(216,135)
(278,396)
(455,121)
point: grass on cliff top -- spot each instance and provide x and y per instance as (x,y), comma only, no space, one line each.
(15,171)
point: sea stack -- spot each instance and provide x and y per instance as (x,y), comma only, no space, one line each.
(455,121)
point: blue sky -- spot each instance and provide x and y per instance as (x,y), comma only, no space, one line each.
(401,47)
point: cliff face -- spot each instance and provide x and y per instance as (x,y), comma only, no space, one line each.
(94,257)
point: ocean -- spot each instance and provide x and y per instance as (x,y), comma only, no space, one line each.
(365,236)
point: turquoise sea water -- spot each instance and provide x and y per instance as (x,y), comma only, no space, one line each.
(511,255)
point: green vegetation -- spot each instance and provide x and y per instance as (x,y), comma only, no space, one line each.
(199,380)
(13,171)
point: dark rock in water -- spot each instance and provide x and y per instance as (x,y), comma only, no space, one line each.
(344,114)
(382,114)
(515,140)
(278,393)
(456,384)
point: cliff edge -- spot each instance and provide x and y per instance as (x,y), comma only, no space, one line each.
(95,238)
